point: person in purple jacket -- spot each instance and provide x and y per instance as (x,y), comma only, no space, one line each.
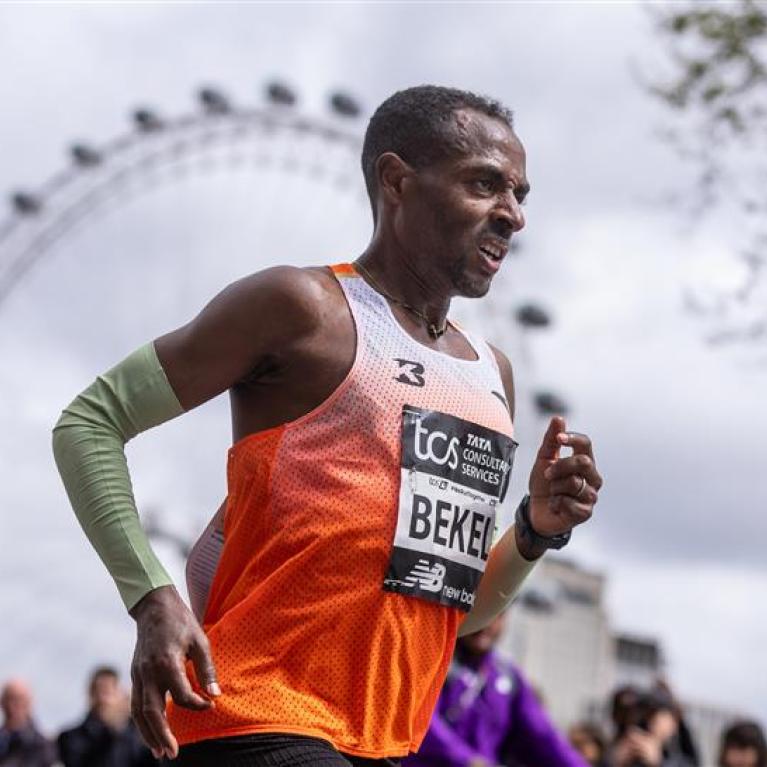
(489,715)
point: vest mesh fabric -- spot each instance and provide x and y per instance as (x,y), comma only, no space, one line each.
(303,636)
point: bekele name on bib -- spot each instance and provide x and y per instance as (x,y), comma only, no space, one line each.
(453,475)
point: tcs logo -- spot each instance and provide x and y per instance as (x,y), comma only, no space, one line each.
(435,446)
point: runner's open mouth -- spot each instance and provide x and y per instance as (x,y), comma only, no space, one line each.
(493,251)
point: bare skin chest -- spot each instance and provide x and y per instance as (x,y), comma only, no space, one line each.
(296,378)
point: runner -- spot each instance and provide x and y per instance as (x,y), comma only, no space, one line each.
(372,444)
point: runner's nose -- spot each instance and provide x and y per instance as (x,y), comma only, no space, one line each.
(507,215)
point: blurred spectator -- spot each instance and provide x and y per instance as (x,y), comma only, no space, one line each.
(622,708)
(488,715)
(21,744)
(743,745)
(685,738)
(589,741)
(107,737)
(646,731)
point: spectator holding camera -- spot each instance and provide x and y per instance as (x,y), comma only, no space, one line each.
(684,735)
(589,741)
(647,730)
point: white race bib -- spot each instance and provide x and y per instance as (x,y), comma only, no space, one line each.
(453,475)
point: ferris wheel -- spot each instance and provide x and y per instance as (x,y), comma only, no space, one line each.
(159,150)
(86,261)
(218,135)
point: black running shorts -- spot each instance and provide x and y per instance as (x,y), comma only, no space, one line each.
(270,750)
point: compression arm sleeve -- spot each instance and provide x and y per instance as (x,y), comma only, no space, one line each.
(89,447)
(504,574)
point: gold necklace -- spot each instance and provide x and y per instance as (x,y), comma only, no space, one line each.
(432,329)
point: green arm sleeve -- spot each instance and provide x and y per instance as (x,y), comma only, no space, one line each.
(89,447)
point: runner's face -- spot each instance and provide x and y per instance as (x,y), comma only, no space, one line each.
(462,212)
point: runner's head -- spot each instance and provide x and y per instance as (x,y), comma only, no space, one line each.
(446,176)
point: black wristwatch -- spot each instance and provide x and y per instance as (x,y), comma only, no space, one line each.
(529,536)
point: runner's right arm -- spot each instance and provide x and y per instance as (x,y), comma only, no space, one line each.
(275,309)
(158,382)
(88,444)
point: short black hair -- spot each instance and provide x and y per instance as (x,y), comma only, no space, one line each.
(745,734)
(417,124)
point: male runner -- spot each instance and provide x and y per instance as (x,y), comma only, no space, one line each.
(372,443)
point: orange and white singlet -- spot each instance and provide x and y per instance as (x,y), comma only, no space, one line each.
(353,540)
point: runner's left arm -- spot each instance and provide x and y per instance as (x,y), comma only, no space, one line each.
(563,491)
(506,568)
(504,574)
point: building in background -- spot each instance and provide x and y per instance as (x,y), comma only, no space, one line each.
(560,635)
(637,661)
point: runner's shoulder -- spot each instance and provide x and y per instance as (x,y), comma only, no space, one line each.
(299,297)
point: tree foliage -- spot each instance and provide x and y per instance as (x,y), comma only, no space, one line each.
(717,94)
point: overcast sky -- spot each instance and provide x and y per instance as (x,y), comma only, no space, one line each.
(678,428)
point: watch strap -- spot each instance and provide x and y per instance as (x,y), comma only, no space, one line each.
(536,541)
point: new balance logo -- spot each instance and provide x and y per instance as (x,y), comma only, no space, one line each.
(411,373)
(425,577)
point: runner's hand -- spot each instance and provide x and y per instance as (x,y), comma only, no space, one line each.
(167,634)
(559,500)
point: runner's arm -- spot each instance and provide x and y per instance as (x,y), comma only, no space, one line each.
(563,491)
(505,572)
(238,330)
(88,444)
(154,384)
(506,568)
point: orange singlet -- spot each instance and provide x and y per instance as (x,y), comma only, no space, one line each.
(354,538)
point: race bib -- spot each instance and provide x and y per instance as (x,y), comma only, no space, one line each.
(453,475)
